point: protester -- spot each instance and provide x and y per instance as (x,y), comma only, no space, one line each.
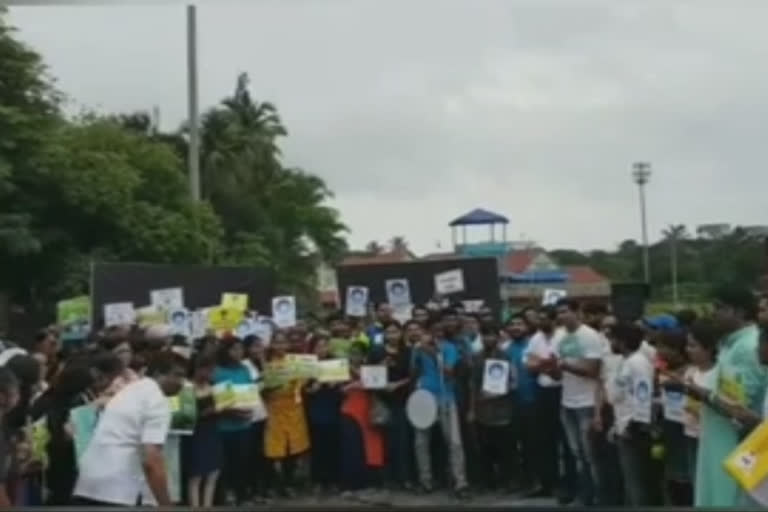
(129,437)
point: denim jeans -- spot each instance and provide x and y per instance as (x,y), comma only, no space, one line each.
(577,423)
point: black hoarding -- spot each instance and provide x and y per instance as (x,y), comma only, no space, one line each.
(481,279)
(203,285)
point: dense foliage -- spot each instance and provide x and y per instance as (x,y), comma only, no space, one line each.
(112,188)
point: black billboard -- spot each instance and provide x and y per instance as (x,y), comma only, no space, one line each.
(481,279)
(202,285)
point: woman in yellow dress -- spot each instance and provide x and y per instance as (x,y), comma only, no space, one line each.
(286,436)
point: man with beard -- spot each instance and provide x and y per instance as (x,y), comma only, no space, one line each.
(524,397)
(541,359)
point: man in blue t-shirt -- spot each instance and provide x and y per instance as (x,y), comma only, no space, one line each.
(524,436)
(434,363)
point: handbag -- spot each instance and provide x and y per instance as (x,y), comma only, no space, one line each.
(380,415)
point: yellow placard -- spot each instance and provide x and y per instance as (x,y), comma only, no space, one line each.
(224,319)
(224,396)
(748,463)
(149,316)
(175,403)
(237,301)
(333,370)
(247,396)
(732,389)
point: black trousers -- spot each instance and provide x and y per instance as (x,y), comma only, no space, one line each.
(325,457)
(260,470)
(494,442)
(236,469)
(550,443)
(78,501)
(524,432)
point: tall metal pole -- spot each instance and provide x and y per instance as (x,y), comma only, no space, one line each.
(194,135)
(673,255)
(641,173)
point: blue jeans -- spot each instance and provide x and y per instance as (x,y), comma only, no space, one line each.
(578,425)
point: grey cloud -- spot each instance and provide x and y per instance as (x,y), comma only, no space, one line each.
(421,110)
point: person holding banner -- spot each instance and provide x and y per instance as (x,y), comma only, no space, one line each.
(233,423)
(433,366)
(286,436)
(740,385)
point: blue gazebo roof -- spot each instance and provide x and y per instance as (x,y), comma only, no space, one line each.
(477,217)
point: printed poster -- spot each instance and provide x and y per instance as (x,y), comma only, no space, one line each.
(333,370)
(373,376)
(449,282)
(119,313)
(76,310)
(496,376)
(642,400)
(357,301)
(398,292)
(180,322)
(235,301)
(674,406)
(748,463)
(198,323)
(473,306)
(284,311)
(167,298)
(224,319)
(552,296)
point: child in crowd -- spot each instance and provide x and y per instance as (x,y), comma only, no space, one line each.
(201,452)
(286,436)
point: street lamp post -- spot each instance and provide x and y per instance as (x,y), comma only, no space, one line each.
(641,173)
(194,136)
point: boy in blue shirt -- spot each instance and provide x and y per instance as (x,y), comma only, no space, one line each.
(434,363)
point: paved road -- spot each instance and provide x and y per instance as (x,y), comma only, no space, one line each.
(385,498)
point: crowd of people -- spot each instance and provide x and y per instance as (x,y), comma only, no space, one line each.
(598,411)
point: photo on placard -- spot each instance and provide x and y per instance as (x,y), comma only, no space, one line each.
(398,292)
(284,311)
(373,376)
(179,321)
(496,376)
(357,301)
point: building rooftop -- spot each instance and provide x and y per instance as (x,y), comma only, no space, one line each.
(478,217)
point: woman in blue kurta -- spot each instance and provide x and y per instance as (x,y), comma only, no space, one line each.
(738,378)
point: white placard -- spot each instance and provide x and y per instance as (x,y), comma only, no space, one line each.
(357,301)
(552,296)
(263,329)
(449,282)
(496,376)
(642,400)
(284,311)
(167,299)
(402,313)
(473,306)
(119,313)
(198,323)
(674,406)
(246,328)
(373,376)
(180,321)
(398,292)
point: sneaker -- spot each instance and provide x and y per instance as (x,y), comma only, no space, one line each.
(462,494)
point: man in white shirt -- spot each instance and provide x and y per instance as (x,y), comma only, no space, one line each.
(541,358)
(124,464)
(580,352)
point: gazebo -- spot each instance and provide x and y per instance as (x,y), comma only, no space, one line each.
(479,217)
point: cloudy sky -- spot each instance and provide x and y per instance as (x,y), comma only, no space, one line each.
(417,111)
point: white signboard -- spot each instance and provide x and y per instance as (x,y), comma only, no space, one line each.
(449,282)
(473,306)
(119,313)
(284,311)
(496,376)
(398,292)
(167,299)
(357,301)
(642,400)
(552,296)
(373,376)
(180,321)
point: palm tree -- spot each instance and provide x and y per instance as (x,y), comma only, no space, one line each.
(673,234)
(398,244)
(374,248)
